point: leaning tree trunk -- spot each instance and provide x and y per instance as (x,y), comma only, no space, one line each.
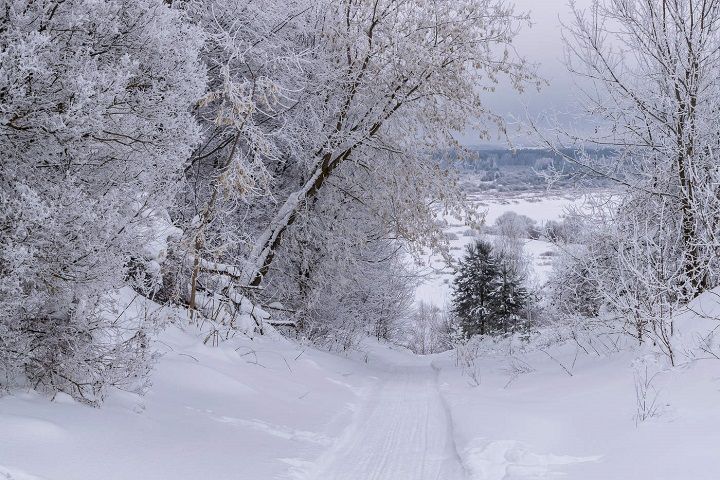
(263,253)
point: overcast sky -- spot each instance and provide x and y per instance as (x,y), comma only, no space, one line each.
(542,43)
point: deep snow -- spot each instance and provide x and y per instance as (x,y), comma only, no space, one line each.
(545,422)
(243,410)
(269,408)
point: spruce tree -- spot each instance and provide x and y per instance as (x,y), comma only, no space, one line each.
(509,297)
(474,288)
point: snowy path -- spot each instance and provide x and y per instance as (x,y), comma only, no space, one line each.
(403,432)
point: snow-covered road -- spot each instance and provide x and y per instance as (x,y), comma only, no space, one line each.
(401,432)
(285,413)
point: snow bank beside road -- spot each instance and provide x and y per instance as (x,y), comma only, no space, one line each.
(248,409)
(583,423)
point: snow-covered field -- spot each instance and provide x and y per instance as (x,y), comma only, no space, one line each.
(542,208)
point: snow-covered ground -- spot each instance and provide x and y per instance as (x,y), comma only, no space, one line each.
(563,411)
(401,431)
(247,409)
(263,408)
(271,409)
(547,423)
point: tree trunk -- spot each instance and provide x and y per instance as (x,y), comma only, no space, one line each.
(262,255)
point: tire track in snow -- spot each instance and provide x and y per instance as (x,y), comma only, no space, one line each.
(402,432)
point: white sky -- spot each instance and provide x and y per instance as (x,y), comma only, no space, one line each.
(542,43)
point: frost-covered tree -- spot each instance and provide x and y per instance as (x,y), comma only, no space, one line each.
(511,232)
(430,329)
(513,225)
(342,272)
(651,70)
(253,55)
(395,76)
(350,98)
(95,128)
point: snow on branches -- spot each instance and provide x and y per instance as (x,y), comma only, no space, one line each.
(95,127)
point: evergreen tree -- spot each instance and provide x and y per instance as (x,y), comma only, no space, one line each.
(474,288)
(509,297)
(488,291)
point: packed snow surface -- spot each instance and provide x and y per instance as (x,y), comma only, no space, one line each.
(402,430)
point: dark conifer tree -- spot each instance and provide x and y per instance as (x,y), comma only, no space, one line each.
(488,293)
(509,297)
(474,287)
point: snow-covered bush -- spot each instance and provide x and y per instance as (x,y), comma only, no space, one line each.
(565,231)
(572,290)
(429,329)
(513,225)
(468,356)
(95,128)
(341,277)
(623,270)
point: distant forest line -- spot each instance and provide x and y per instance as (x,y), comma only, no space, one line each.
(506,170)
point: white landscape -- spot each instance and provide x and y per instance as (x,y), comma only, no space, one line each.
(267,407)
(303,240)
